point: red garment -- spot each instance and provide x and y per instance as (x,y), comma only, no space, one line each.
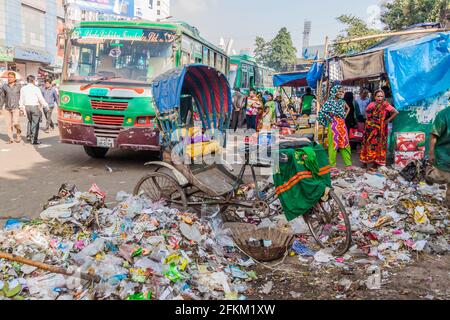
(376,134)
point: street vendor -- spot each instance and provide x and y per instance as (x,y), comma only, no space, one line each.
(379,114)
(306,102)
(333,115)
(440,152)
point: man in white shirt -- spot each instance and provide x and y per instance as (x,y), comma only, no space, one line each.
(32,101)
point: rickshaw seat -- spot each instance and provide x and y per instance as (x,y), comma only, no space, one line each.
(295,144)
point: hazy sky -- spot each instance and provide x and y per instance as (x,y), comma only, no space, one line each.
(243,20)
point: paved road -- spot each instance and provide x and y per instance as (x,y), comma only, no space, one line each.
(30,175)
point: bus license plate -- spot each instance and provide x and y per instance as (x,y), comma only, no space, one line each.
(105,142)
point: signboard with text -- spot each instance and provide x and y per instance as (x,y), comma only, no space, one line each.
(130,34)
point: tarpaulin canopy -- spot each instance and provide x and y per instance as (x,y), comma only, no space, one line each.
(419,69)
(293,79)
(366,65)
(371,63)
(300,79)
(209,88)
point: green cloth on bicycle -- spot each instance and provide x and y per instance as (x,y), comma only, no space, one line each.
(310,158)
(302,181)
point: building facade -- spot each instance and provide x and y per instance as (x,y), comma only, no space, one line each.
(28,35)
(153,10)
(29,29)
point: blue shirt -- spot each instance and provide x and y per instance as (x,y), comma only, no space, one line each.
(51,96)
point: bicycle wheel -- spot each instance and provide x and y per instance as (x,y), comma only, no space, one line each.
(158,186)
(330,225)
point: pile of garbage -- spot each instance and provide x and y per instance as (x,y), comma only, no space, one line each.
(393,220)
(137,250)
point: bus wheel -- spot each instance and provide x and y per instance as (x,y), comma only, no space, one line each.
(96,152)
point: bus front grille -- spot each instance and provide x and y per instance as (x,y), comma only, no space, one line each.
(107,132)
(108,120)
(109,105)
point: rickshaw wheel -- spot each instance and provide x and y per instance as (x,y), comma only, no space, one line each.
(330,225)
(162,187)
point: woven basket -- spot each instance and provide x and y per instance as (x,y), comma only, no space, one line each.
(242,232)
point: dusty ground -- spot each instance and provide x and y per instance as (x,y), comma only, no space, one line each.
(30,175)
(428,278)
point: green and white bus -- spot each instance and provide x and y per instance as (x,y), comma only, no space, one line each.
(106,99)
(246,73)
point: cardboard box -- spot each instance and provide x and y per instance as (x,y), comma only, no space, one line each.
(410,141)
(402,159)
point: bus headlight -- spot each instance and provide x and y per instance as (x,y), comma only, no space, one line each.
(144,121)
(70,116)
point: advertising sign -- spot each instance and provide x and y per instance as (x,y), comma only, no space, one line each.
(116,7)
(6,54)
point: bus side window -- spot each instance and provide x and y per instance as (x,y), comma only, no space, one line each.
(185,58)
(205,55)
(244,79)
(211,59)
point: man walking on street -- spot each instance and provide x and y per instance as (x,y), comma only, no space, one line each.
(440,152)
(238,115)
(10,96)
(32,100)
(51,97)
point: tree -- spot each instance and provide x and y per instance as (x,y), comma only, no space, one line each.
(399,14)
(355,27)
(282,53)
(261,50)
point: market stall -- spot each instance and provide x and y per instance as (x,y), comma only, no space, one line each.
(398,62)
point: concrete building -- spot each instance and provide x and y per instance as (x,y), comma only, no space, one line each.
(28,35)
(154,10)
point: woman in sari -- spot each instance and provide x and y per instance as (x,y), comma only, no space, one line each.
(379,114)
(333,115)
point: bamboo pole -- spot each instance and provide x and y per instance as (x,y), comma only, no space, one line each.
(390,34)
(319,96)
(46,267)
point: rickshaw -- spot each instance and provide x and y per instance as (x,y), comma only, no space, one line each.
(190,101)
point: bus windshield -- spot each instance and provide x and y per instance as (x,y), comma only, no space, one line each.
(122,59)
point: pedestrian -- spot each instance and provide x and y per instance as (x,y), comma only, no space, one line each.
(279,107)
(252,109)
(51,97)
(306,102)
(440,152)
(10,97)
(350,121)
(333,115)
(362,102)
(238,114)
(32,101)
(267,119)
(379,114)
(272,106)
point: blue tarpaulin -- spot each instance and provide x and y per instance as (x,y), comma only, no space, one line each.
(300,79)
(418,69)
(292,79)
